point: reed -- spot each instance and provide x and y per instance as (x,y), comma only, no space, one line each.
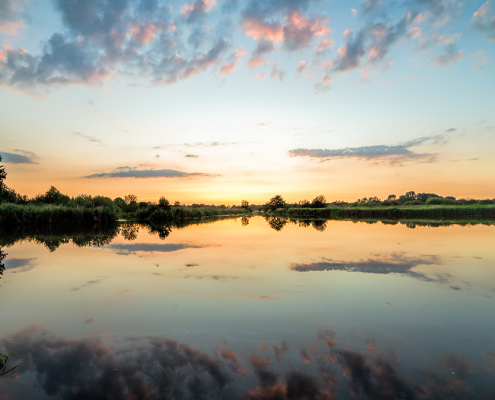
(393,213)
(31,214)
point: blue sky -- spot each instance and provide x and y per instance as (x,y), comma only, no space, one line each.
(217,101)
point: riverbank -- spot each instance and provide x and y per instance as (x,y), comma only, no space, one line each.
(49,214)
(392,213)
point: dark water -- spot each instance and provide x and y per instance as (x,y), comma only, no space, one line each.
(245,309)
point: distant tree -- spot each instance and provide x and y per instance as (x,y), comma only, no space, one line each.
(276,202)
(177,203)
(3,175)
(53,196)
(244,204)
(411,193)
(304,203)
(130,198)
(164,203)
(391,197)
(319,202)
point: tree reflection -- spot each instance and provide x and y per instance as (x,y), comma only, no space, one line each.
(245,221)
(129,231)
(277,223)
(319,225)
(162,231)
(52,237)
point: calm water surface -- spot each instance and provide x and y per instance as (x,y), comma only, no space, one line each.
(239,310)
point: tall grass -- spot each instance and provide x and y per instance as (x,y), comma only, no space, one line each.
(30,214)
(399,212)
(156,215)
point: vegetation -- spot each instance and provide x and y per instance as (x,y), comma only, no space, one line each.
(54,207)
(409,205)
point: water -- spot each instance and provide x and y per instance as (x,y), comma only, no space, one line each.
(241,308)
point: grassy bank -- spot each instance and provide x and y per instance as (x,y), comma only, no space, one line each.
(392,213)
(47,214)
(158,215)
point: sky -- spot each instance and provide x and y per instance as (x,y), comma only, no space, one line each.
(216,101)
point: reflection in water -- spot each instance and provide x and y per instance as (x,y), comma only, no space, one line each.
(395,263)
(53,236)
(129,231)
(277,223)
(127,249)
(244,221)
(161,368)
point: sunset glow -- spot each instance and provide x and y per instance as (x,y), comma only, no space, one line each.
(216,101)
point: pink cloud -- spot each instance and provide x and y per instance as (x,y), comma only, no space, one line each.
(258,29)
(326,78)
(365,76)
(414,32)
(256,61)
(227,69)
(240,52)
(479,64)
(353,11)
(347,32)
(299,30)
(11,28)
(328,64)
(324,44)
(261,77)
(301,67)
(143,33)
(483,10)
(199,6)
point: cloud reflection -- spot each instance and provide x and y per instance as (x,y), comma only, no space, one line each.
(163,368)
(395,263)
(128,249)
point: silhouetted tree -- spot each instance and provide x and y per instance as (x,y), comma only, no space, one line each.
(319,202)
(177,204)
(3,175)
(53,196)
(304,203)
(276,202)
(391,197)
(244,204)
(129,198)
(163,203)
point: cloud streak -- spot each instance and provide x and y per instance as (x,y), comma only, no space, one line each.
(25,158)
(394,154)
(145,173)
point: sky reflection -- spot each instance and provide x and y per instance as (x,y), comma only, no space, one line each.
(156,367)
(228,304)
